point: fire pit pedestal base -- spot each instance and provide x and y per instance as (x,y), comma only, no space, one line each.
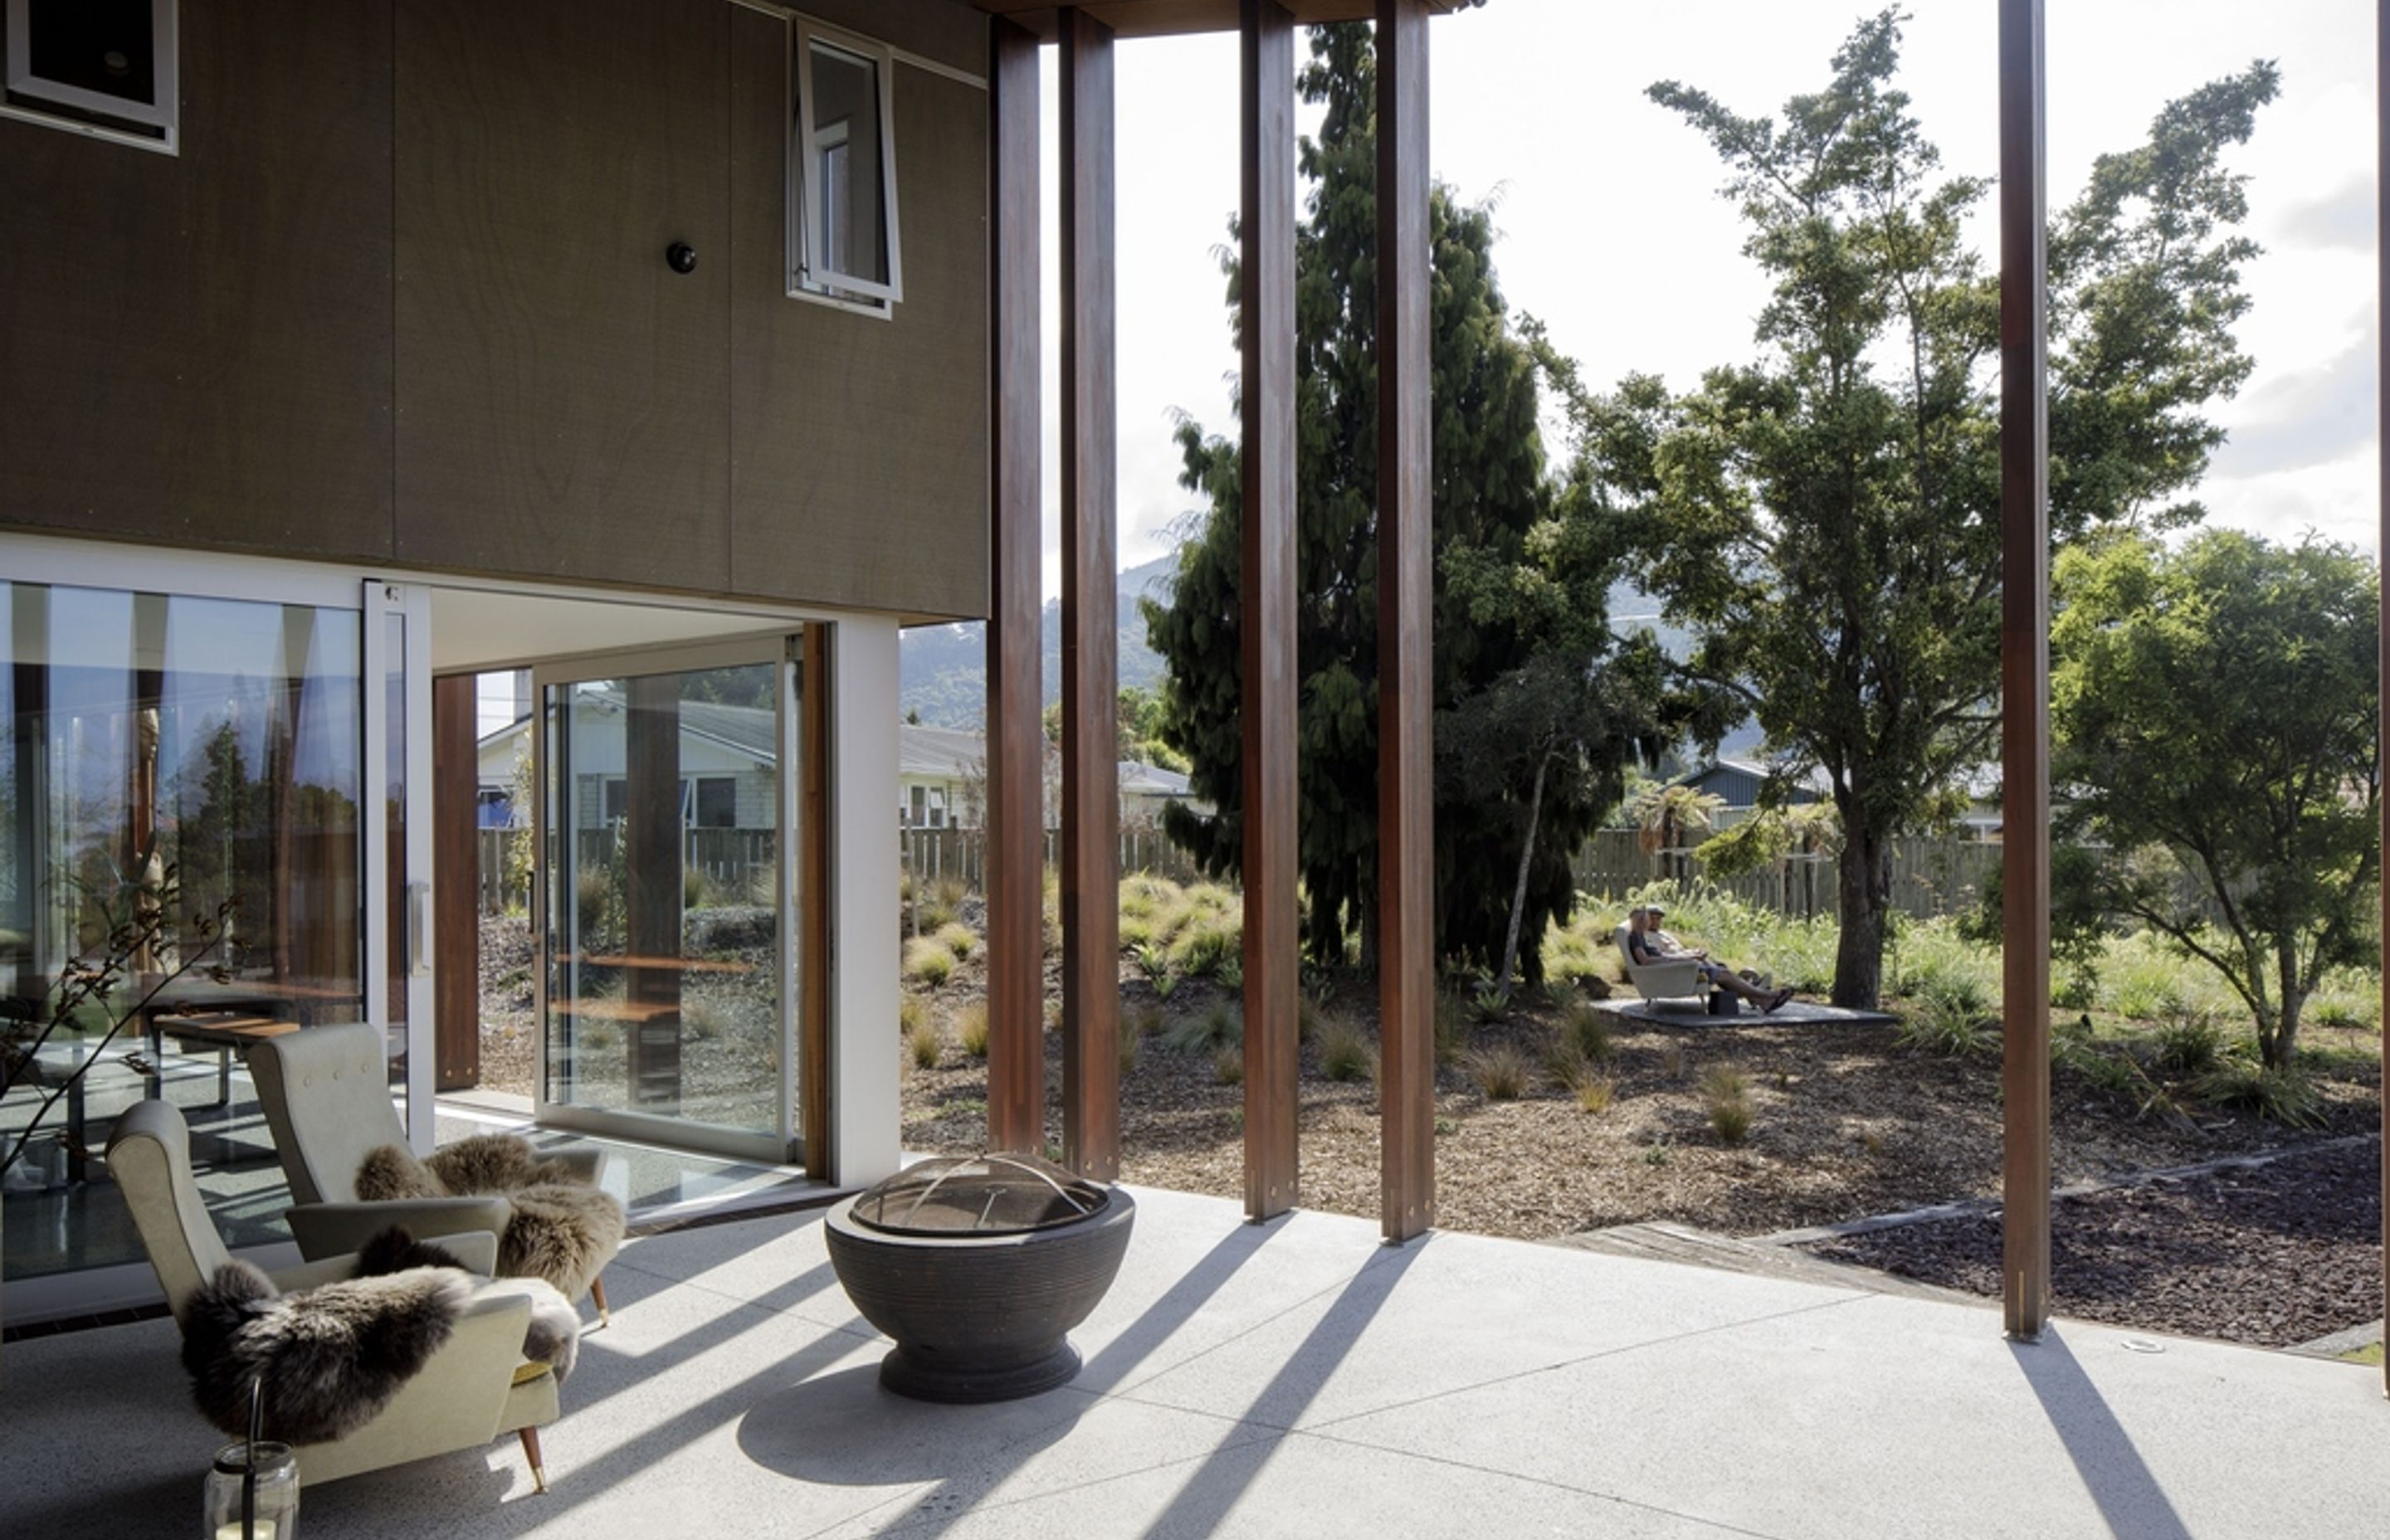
(980,1316)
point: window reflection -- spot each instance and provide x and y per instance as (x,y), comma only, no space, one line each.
(216,739)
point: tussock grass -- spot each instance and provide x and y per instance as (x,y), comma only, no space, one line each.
(925,1047)
(927,962)
(1594,1093)
(1500,1071)
(959,939)
(1586,1028)
(1950,1025)
(971,1027)
(1345,1051)
(1726,1100)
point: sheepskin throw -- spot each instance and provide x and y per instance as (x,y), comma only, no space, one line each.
(330,1358)
(554,1336)
(563,1230)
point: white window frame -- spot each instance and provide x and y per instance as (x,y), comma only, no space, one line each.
(160,114)
(810,275)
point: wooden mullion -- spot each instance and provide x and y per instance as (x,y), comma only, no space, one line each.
(1267,635)
(1406,806)
(2025,673)
(1090,865)
(1016,1025)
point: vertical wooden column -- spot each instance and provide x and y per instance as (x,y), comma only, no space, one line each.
(2025,674)
(456,898)
(1090,619)
(813,899)
(2381,282)
(653,853)
(1405,790)
(1267,635)
(1016,1004)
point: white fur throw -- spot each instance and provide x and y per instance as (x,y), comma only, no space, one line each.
(331,1358)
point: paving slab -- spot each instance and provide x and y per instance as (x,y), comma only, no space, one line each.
(1299,1378)
(1690,1012)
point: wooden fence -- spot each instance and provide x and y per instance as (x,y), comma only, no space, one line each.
(736,861)
(1929,875)
(741,860)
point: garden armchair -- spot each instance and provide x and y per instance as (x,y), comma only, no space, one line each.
(474,1388)
(1661,981)
(326,1092)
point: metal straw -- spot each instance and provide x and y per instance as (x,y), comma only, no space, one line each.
(249,1474)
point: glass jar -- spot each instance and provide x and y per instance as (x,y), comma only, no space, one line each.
(278,1493)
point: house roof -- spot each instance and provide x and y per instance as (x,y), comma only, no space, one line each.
(1167,18)
(1151,781)
(1813,780)
(949,752)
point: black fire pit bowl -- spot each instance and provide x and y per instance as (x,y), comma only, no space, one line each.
(978,1266)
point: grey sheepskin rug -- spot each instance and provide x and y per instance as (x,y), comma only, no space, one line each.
(563,1230)
(331,1358)
(554,1336)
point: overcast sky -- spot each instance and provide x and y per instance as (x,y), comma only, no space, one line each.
(1611,230)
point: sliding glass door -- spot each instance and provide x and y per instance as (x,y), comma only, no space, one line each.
(667,892)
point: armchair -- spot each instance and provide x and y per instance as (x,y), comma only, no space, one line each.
(474,1388)
(1660,981)
(326,1093)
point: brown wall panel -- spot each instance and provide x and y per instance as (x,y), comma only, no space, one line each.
(564,395)
(860,442)
(951,34)
(195,349)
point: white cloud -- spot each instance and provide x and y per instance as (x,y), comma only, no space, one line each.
(1613,233)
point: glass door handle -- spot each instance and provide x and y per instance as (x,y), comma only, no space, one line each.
(419,904)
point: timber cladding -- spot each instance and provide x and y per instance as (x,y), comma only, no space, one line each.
(860,443)
(195,349)
(403,297)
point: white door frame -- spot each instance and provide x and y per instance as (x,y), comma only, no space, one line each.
(400,944)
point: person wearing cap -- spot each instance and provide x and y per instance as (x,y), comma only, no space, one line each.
(1647,943)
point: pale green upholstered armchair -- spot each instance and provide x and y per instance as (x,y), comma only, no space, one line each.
(1660,981)
(473,1390)
(326,1092)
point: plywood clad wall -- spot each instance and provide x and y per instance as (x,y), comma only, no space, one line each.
(195,349)
(403,297)
(860,442)
(564,394)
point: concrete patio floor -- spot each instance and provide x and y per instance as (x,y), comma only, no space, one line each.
(1299,1378)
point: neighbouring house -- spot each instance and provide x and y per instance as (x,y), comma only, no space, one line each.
(1738,781)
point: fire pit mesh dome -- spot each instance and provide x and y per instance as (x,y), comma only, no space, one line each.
(978,1194)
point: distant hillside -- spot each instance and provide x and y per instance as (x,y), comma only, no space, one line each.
(942,669)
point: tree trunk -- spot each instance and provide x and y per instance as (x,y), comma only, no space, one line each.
(1519,889)
(2275,1047)
(1865,895)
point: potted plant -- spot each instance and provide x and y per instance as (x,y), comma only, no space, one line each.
(148,945)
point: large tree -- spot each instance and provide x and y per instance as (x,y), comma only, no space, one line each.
(2213,713)
(1491,497)
(1826,518)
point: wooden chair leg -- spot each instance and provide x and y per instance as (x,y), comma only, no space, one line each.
(598,1296)
(531,1452)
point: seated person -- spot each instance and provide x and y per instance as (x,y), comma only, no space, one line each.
(1648,944)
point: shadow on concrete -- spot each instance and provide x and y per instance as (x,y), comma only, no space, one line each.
(2135,1507)
(843,1430)
(926,1428)
(1212,1488)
